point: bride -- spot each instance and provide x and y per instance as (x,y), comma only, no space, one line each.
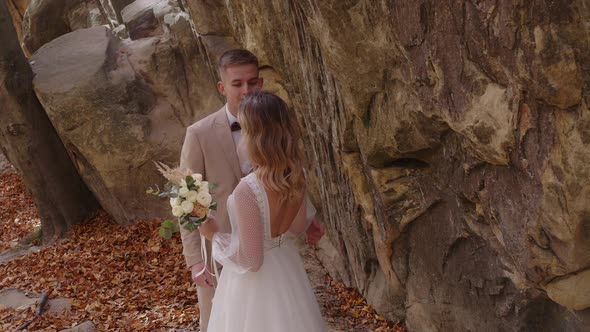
(264,286)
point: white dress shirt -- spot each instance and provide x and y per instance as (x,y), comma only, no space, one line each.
(245,164)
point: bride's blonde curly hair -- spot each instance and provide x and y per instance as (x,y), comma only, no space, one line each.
(272,139)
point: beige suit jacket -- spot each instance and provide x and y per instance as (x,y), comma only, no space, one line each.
(209,149)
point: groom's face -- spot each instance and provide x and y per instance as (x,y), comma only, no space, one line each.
(236,82)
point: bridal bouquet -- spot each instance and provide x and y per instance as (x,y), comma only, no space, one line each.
(189,196)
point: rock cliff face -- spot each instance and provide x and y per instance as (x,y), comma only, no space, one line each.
(46,20)
(120,104)
(448,141)
(17,9)
(448,146)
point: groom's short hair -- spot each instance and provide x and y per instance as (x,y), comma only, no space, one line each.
(236,57)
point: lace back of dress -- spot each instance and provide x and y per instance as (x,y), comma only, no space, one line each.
(262,203)
(299,222)
(262,199)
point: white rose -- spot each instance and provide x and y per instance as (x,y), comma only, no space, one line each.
(177,211)
(175,201)
(182,192)
(197,183)
(191,196)
(187,207)
(204,198)
(204,187)
(198,177)
(183,183)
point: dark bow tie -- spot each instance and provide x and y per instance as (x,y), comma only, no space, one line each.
(235,126)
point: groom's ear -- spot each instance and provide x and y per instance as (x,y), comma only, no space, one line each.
(260,82)
(221,88)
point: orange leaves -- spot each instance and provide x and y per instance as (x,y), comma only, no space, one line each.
(18,215)
(121,278)
(127,278)
(342,306)
(347,310)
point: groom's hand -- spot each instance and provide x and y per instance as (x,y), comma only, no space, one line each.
(202,276)
(315,231)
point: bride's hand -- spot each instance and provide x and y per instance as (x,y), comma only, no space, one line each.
(315,231)
(208,228)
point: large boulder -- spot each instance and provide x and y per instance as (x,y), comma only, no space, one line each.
(119,105)
(145,18)
(46,20)
(5,166)
(449,149)
(118,6)
(17,9)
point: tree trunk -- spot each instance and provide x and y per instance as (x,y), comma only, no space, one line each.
(32,145)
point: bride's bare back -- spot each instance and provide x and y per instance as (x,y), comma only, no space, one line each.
(288,215)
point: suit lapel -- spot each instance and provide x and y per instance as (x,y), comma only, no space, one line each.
(226,141)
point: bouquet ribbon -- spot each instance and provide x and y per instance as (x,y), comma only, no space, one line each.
(206,260)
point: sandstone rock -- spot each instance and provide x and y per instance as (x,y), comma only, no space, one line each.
(118,6)
(87,326)
(211,17)
(16,252)
(563,226)
(448,147)
(145,18)
(16,298)
(46,20)
(119,105)
(571,291)
(17,9)
(448,141)
(85,15)
(121,32)
(5,166)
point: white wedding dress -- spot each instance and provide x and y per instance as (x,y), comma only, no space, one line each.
(263,286)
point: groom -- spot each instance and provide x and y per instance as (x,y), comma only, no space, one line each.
(210,149)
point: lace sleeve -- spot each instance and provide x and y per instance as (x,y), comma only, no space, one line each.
(243,249)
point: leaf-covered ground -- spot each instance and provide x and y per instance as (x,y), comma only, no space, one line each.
(18,215)
(129,278)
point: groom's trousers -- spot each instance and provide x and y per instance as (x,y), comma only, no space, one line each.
(205,295)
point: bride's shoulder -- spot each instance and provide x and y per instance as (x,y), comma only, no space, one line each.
(247,184)
(250,179)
